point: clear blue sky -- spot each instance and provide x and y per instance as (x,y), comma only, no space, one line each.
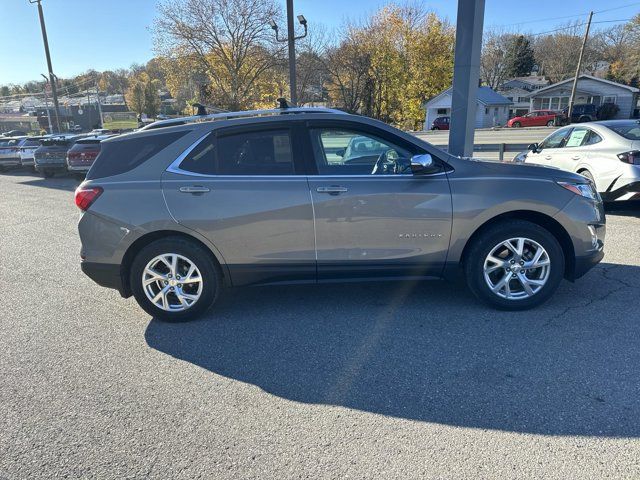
(109,34)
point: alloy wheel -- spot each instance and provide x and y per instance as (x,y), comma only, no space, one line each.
(517,268)
(172,282)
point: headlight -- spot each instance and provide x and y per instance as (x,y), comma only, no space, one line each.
(520,158)
(586,190)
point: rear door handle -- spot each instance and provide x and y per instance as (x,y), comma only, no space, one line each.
(548,157)
(194,189)
(576,157)
(332,190)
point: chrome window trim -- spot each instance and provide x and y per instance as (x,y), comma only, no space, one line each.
(174,167)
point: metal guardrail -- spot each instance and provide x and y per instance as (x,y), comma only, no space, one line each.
(501,148)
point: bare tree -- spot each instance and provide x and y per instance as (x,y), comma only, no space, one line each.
(230,39)
(493,67)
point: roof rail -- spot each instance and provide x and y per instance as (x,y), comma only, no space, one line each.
(228,115)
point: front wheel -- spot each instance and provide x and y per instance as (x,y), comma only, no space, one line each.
(515,265)
(175,279)
(516,125)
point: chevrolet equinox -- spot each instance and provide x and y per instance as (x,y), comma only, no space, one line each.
(174,213)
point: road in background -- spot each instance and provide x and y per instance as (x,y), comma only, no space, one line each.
(377,380)
(502,135)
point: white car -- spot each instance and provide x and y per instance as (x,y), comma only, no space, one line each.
(27,150)
(606,152)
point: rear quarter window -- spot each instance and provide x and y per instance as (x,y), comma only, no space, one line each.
(123,155)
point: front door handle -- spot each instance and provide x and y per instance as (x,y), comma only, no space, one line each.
(332,190)
(548,157)
(194,189)
(576,157)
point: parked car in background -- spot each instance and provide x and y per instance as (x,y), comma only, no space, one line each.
(82,154)
(537,118)
(51,156)
(173,214)
(14,133)
(441,123)
(10,152)
(605,152)
(28,149)
(582,112)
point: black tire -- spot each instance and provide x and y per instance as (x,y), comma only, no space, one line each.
(516,125)
(587,174)
(435,128)
(584,118)
(204,261)
(48,173)
(493,236)
(551,123)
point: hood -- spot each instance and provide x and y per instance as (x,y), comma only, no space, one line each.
(525,170)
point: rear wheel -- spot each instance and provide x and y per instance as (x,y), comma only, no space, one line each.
(551,123)
(175,279)
(514,265)
(516,124)
(435,128)
(48,173)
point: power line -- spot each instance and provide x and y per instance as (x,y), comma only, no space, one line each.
(576,15)
(576,25)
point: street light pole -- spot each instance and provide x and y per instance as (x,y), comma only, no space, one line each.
(46,51)
(291,40)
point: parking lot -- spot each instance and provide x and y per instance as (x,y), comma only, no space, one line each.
(359,380)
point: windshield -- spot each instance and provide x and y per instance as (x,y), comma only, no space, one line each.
(629,130)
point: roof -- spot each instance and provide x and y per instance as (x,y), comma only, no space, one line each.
(589,77)
(486,96)
(533,80)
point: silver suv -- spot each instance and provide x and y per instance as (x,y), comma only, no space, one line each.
(174,213)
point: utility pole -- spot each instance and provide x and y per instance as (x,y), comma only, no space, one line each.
(46,102)
(99,105)
(46,51)
(575,80)
(291,40)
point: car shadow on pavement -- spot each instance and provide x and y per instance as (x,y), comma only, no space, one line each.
(629,208)
(429,352)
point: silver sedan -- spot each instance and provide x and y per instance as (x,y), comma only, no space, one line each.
(606,152)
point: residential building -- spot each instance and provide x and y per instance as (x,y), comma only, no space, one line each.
(589,89)
(492,109)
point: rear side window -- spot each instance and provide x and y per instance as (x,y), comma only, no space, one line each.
(629,131)
(126,154)
(264,152)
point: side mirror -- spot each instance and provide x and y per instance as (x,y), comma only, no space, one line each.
(533,147)
(340,152)
(421,164)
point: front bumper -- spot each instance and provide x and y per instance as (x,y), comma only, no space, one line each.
(585,263)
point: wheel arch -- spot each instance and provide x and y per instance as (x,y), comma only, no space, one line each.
(148,238)
(541,219)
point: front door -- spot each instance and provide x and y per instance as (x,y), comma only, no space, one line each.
(373,217)
(548,149)
(241,189)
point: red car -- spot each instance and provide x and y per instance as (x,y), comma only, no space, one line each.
(537,118)
(440,123)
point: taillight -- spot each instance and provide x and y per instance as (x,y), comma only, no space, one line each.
(85,196)
(632,157)
(73,155)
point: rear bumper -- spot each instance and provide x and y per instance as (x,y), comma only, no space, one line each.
(104,274)
(27,162)
(79,168)
(10,162)
(627,192)
(62,167)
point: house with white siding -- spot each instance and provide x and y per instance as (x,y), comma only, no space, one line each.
(492,109)
(589,90)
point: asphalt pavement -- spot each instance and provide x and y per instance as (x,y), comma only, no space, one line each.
(376,380)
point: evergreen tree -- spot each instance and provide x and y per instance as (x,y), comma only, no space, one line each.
(519,57)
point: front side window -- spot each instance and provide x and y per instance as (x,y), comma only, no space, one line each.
(555,140)
(267,152)
(347,152)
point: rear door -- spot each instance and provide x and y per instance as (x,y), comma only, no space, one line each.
(242,189)
(373,217)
